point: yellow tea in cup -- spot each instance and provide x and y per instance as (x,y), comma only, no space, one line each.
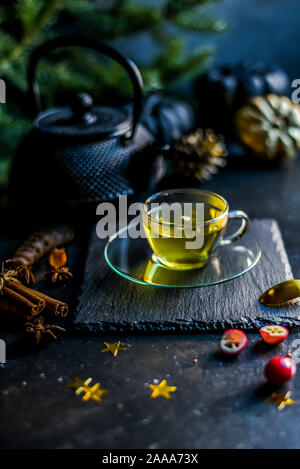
(169,237)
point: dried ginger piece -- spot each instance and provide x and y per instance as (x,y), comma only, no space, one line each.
(35,247)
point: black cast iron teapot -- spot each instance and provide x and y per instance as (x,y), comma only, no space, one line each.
(81,153)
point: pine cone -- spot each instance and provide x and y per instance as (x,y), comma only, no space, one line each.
(199,155)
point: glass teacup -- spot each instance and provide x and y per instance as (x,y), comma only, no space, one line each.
(182,239)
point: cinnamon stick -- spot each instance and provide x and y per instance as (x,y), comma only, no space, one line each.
(54,306)
(30,309)
(31,302)
(28,293)
(9,308)
(63,310)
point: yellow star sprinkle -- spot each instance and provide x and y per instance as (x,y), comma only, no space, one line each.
(162,389)
(281,399)
(90,392)
(77,382)
(113,348)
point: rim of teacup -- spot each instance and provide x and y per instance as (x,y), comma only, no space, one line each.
(172,191)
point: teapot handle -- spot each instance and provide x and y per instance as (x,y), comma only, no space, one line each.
(127,64)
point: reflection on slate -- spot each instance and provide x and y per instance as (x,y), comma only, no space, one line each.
(111,303)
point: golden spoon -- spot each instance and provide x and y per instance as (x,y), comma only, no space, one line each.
(280,293)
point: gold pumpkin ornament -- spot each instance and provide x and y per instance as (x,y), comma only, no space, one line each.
(270,127)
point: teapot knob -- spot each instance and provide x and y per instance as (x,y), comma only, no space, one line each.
(81,108)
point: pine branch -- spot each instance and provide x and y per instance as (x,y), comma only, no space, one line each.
(7,43)
(30,37)
(173,63)
(27,12)
(173,8)
(189,67)
(80,7)
(193,20)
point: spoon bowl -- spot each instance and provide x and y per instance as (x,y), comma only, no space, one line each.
(281,293)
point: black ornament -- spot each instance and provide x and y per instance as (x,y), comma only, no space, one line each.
(166,118)
(224,89)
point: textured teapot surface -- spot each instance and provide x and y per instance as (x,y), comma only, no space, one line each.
(84,119)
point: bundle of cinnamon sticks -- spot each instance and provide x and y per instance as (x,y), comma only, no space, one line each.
(17,299)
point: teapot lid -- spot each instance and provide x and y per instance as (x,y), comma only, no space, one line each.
(84,119)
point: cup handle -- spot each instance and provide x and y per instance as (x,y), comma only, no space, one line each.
(241,231)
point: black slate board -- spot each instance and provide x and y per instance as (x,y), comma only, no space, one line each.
(110,303)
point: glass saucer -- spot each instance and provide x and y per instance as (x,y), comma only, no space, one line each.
(134,260)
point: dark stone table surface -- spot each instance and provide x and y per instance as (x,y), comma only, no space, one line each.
(219,403)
